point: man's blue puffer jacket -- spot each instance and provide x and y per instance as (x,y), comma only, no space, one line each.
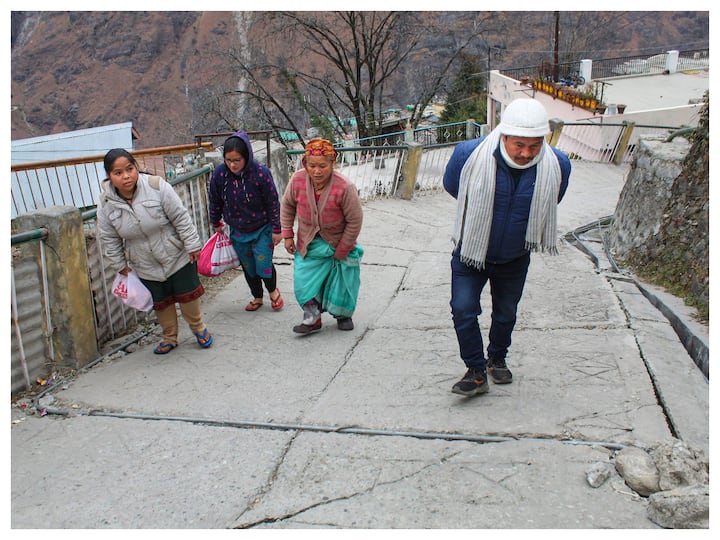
(512,202)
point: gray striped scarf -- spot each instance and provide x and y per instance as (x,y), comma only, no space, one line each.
(476,197)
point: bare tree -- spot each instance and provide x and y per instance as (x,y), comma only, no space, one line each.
(432,76)
(343,65)
(580,32)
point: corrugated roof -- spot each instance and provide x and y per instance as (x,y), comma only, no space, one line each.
(71,144)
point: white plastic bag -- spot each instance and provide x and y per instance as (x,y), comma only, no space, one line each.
(131,292)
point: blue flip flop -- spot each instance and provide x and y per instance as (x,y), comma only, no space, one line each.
(164,347)
(204,337)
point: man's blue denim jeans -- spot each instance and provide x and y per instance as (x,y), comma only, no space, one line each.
(506,287)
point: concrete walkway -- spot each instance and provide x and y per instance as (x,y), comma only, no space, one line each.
(359,429)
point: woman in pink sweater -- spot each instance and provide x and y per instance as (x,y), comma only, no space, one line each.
(327,256)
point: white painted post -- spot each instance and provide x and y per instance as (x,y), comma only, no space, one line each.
(586,70)
(671,62)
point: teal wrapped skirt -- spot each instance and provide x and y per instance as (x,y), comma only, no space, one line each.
(332,283)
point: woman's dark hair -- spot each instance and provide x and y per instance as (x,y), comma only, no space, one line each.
(115,153)
(236,144)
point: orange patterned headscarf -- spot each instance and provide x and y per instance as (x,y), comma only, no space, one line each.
(320,147)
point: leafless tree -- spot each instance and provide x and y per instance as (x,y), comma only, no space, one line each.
(342,65)
(580,32)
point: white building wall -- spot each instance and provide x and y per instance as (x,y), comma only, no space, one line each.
(505,90)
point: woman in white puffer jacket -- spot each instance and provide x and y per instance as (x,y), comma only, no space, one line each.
(144,226)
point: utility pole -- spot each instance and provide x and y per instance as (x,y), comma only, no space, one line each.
(556,64)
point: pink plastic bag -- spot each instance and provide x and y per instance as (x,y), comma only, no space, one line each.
(217,256)
(131,292)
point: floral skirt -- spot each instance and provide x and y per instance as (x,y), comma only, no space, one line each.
(255,250)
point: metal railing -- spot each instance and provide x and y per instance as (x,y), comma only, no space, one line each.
(76,182)
(375,170)
(614,67)
(375,164)
(604,142)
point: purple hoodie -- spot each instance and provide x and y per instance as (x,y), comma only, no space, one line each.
(246,201)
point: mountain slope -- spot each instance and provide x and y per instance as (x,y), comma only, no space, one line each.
(162,70)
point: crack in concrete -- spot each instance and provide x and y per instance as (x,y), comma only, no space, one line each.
(646,363)
(370,489)
(256,498)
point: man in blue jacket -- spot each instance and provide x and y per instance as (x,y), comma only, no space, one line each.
(507,185)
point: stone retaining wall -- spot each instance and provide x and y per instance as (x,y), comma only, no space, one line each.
(661,227)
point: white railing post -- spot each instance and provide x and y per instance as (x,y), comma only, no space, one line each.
(671,62)
(586,70)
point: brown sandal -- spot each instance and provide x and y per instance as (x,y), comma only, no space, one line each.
(254,305)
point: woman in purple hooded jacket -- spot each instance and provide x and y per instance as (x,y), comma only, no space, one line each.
(243,193)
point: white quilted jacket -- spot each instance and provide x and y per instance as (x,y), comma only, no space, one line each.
(154,236)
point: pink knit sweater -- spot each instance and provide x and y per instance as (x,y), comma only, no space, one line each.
(337,216)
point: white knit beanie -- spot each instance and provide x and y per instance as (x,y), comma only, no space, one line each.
(525,118)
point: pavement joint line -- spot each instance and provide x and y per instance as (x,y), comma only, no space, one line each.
(352,430)
(385,265)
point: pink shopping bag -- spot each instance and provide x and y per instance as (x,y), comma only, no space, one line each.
(217,256)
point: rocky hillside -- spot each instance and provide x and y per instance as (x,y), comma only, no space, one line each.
(78,70)
(161,70)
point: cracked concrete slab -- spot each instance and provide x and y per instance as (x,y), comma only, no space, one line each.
(106,473)
(590,392)
(565,291)
(681,387)
(351,481)
(274,378)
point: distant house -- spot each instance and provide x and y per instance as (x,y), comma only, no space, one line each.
(669,94)
(40,187)
(666,95)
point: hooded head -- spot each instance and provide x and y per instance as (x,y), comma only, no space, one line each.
(524,118)
(239,142)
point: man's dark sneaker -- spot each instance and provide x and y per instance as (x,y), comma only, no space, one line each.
(474,382)
(308,328)
(498,371)
(345,323)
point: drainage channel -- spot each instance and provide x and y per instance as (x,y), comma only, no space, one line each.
(354,430)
